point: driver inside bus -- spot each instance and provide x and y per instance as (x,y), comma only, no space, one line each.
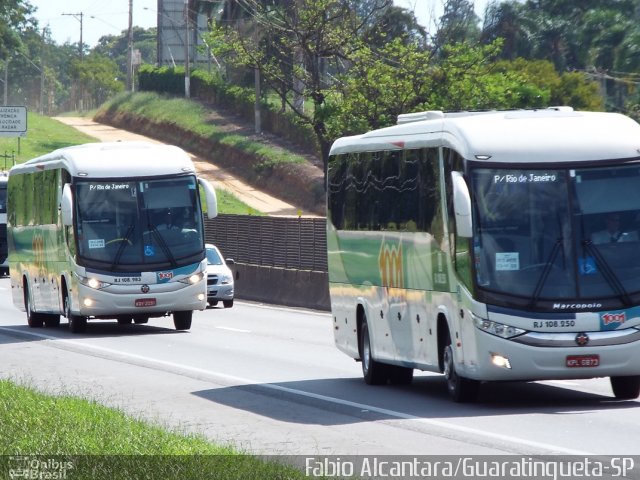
(168,221)
(613,232)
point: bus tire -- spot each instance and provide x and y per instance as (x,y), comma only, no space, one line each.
(140,319)
(77,323)
(460,389)
(34,320)
(625,388)
(182,319)
(124,320)
(374,373)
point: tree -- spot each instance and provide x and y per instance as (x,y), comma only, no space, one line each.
(506,20)
(459,23)
(316,39)
(14,18)
(98,76)
(116,47)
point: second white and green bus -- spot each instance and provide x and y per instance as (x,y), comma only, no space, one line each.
(470,244)
(108,231)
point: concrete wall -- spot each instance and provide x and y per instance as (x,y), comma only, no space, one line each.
(293,288)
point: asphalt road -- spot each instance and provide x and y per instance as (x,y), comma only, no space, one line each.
(269,380)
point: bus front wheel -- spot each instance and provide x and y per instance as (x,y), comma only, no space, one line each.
(77,323)
(625,388)
(460,389)
(182,319)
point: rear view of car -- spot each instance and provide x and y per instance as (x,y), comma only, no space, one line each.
(219,278)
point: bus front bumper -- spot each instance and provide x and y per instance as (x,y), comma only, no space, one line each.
(117,301)
(493,358)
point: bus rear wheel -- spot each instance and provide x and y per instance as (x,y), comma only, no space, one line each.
(460,389)
(625,388)
(182,319)
(34,320)
(374,373)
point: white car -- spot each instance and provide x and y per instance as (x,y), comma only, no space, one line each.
(219,278)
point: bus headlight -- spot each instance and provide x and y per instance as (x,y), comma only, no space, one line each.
(497,329)
(192,279)
(92,282)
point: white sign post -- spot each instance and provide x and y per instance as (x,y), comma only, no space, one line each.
(13,121)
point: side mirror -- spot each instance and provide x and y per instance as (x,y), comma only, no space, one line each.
(210,198)
(461,205)
(66,206)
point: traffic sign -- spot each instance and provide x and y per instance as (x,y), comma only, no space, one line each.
(13,121)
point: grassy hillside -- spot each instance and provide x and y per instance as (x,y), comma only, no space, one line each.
(45,134)
(263,161)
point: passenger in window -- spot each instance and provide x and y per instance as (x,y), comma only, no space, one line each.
(613,232)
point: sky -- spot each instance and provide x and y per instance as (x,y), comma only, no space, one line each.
(111,17)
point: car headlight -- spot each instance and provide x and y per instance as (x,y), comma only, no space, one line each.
(192,279)
(92,282)
(497,329)
(226,279)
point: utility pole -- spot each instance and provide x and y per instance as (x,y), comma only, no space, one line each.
(78,16)
(130,77)
(187,79)
(42,55)
(6,81)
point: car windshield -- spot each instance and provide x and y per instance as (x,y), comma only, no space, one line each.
(566,234)
(212,257)
(139,225)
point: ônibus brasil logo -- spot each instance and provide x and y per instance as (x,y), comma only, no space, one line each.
(390,264)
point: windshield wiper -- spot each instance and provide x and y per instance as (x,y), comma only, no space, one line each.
(545,272)
(123,244)
(163,245)
(607,272)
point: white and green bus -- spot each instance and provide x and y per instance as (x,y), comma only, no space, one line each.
(4,262)
(108,231)
(470,244)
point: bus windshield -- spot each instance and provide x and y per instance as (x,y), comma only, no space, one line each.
(3,198)
(139,225)
(558,234)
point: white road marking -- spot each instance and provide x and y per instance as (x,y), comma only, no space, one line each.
(231,329)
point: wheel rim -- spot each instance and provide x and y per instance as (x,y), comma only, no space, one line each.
(366,350)
(449,369)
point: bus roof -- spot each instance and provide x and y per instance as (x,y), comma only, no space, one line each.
(515,136)
(112,160)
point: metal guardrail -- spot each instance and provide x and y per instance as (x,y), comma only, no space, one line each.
(291,243)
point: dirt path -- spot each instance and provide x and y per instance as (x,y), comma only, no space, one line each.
(219,177)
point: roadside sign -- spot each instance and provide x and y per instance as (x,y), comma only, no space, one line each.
(13,121)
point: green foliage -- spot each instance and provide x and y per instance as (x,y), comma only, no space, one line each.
(98,74)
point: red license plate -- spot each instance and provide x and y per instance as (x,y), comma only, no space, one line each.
(583,361)
(145,302)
